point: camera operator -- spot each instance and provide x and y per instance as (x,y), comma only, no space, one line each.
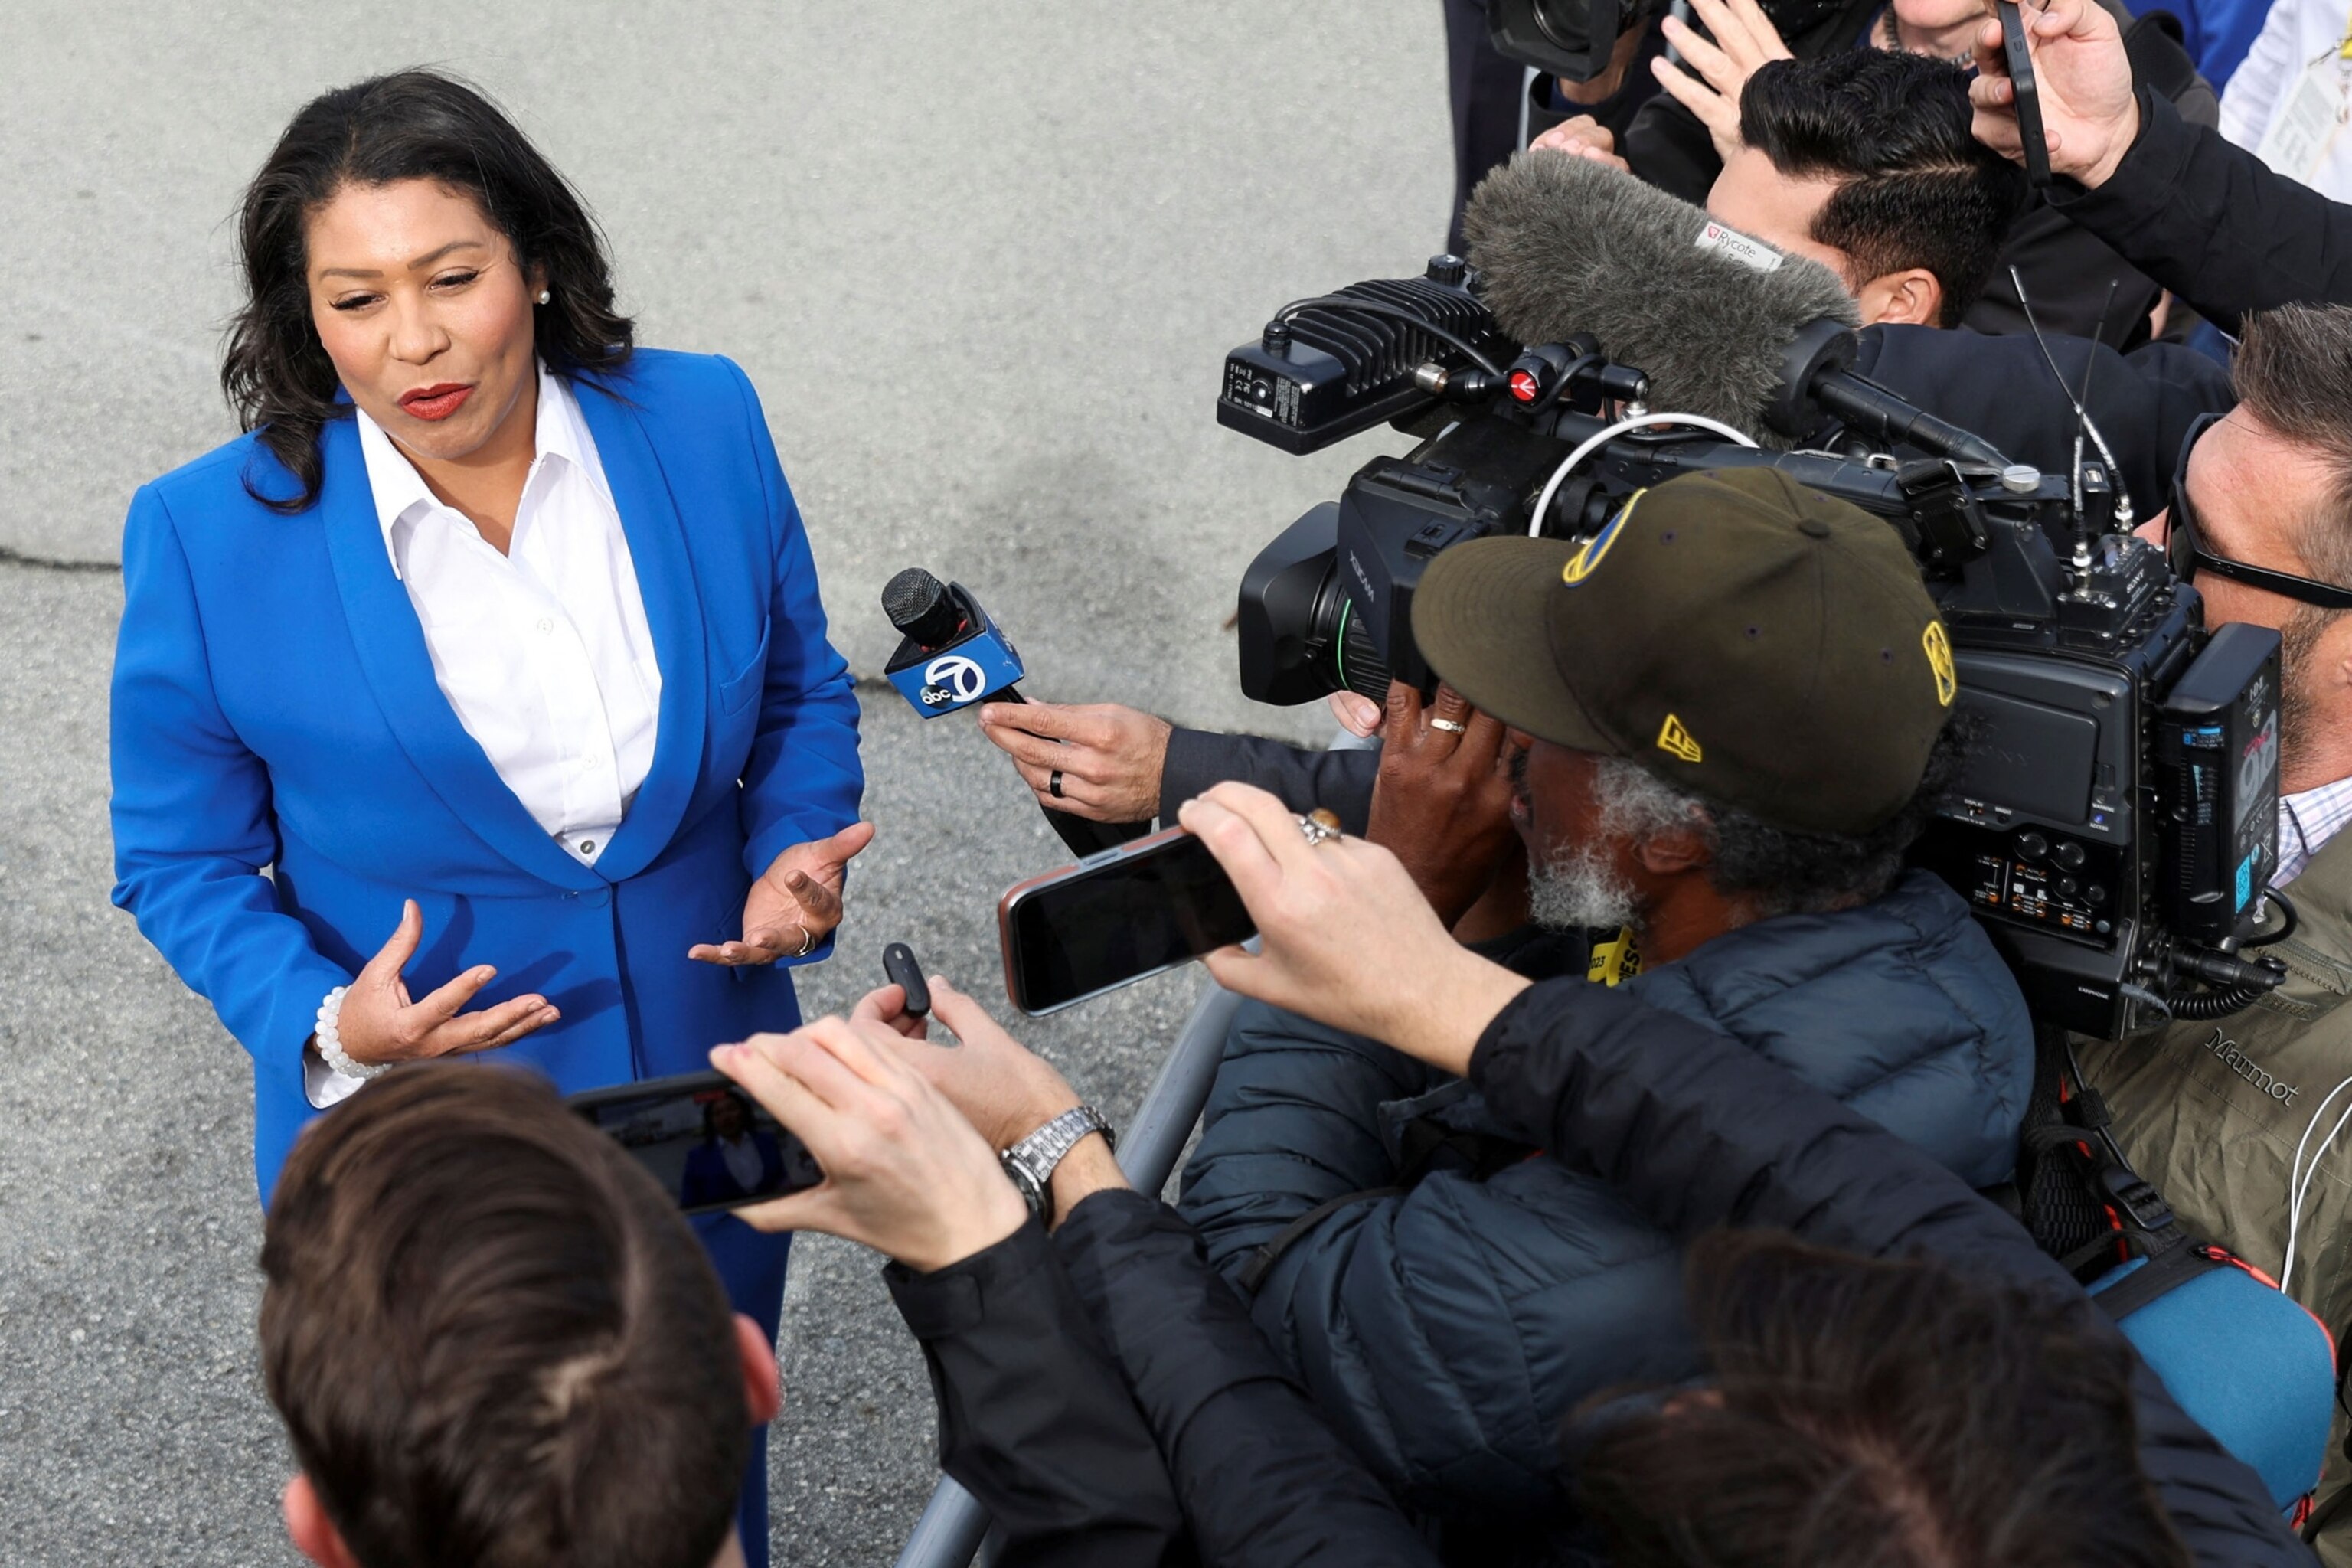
(2208,220)
(1864,162)
(1490,95)
(1680,140)
(496,1344)
(1733,726)
(2223,1117)
(1864,1398)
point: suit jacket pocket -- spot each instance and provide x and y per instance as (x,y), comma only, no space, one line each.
(744,686)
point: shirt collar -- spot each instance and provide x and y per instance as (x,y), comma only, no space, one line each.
(400,491)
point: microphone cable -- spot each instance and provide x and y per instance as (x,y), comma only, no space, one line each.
(1610,432)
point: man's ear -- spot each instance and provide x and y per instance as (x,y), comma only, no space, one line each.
(309,1527)
(764,1390)
(1673,852)
(1912,296)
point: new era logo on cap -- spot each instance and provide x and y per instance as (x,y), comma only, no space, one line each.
(1677,741)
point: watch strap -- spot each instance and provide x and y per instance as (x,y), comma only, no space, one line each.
(1031,1161)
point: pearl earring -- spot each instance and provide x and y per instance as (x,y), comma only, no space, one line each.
(544,296)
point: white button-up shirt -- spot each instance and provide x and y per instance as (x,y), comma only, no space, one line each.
(543,652)
(2306,822)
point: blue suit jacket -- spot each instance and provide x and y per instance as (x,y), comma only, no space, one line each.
(274,707)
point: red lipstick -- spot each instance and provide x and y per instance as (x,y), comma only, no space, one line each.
(435,403)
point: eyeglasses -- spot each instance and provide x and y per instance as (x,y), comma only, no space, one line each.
(2186,554)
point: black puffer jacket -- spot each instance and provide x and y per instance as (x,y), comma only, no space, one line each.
(1446,1329)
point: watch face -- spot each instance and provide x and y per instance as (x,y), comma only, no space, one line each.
(1025,1183)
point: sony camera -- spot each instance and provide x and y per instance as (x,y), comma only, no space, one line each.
(2117,821)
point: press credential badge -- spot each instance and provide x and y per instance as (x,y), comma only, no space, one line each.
(2304,135)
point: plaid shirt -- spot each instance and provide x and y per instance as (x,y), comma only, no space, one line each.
(2306,822)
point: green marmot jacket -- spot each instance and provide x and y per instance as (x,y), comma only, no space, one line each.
(2212,1113)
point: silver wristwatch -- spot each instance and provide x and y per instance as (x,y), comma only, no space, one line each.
(1031,1162)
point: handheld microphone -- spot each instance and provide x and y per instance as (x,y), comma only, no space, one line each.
(951,655)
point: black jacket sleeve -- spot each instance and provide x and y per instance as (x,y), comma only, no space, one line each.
(1262,1479)
(2001,389)
(2213,224)
(1301,779)
(1694,1130)
(1034,1419)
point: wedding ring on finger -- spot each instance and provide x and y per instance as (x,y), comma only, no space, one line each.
(1450,726)
(1053,785)
(1320,825)
(808,943)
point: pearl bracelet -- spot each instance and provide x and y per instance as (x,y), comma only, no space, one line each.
(330,1043)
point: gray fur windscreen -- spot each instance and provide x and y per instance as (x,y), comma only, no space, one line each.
(1568,244)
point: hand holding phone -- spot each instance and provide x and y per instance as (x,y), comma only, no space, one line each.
(2026,96)
(905,1172)
(2055,89)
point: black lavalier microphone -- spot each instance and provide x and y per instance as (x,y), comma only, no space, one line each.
(951,655)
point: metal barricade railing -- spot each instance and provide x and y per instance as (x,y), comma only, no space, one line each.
(953,1524)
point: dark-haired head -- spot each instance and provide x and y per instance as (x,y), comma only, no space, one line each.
(408,160)
(1863,159)
(495,1342)
(1875,1413)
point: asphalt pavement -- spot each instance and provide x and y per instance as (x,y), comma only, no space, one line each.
(982,262)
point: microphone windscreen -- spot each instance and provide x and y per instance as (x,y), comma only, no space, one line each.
(1568,244)
(922,609)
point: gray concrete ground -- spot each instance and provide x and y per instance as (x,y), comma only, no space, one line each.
(982,262)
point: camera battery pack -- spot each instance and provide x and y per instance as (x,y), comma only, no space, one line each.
(2217,739)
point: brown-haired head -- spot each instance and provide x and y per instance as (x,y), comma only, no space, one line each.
(493,1338)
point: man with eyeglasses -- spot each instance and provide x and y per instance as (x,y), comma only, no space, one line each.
(2236,1121)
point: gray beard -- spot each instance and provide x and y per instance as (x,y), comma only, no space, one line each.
(1577,890)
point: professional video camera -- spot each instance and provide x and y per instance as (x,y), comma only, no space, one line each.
(1572,38)
(2116,823)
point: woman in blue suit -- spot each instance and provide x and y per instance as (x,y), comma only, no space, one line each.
(479,698)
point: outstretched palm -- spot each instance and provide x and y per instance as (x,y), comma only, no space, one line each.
(795,903)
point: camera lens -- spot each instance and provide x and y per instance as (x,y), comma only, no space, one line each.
(1562,23)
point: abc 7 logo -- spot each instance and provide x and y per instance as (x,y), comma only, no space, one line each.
(951,678)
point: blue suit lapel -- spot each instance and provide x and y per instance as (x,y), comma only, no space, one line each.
(657,548)
(399,672)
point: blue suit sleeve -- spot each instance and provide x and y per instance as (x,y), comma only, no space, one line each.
(803,780)
(194,824)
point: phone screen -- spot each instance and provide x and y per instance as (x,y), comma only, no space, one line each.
(710,1145)
(1120,921)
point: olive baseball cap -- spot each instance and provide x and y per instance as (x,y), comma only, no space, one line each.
(1736,634)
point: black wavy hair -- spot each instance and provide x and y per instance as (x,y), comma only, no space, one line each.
(1916,188)
(410,125)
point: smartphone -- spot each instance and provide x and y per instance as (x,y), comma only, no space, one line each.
(2028,97)
(1114,918)
(709,1144)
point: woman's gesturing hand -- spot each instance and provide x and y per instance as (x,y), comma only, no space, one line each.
(904,1172)
(1348,939)
(379,1023)
(795,903)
